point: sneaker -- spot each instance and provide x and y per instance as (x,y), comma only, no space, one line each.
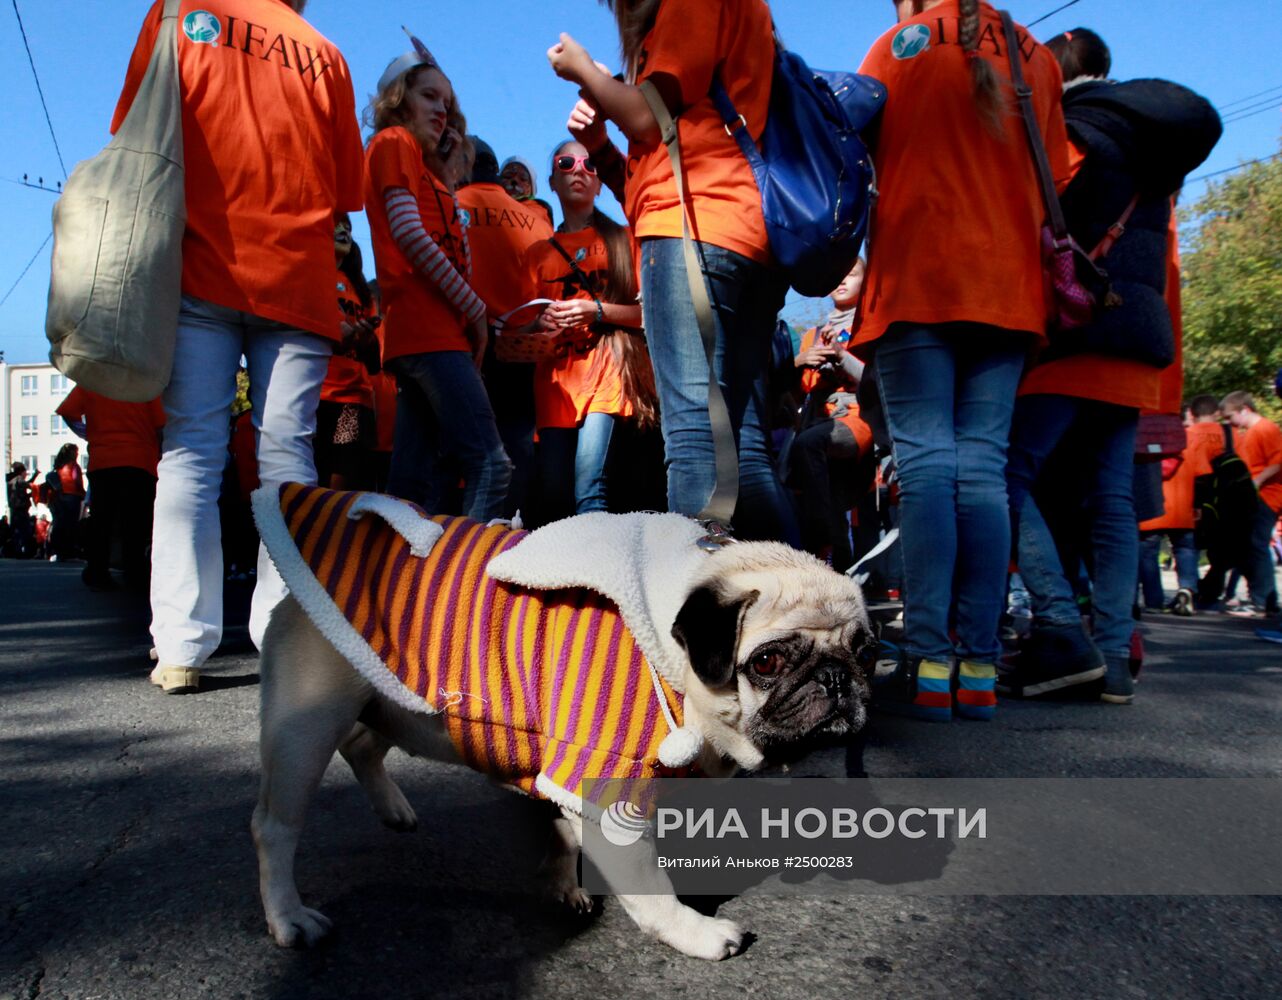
(1119,688)
(1269,635)
(1183,605)
(1247,611)
(175,680)
(1055,658)
(918,689)
(976,691)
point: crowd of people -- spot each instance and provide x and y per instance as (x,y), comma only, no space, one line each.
(500,363)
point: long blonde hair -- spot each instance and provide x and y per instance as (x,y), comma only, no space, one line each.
(387,110)
(635,18)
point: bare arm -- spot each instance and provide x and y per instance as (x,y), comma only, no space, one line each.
(622,103)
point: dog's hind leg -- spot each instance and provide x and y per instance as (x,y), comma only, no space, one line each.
(559,871)
(311,698)
(364,750)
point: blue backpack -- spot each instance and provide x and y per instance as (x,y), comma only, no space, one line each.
(814,172)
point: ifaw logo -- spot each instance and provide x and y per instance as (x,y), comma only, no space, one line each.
(202,27)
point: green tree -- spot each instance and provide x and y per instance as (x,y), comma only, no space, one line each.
(1232,293)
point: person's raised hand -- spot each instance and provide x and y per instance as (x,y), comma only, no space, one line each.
(570,60)
(587,125)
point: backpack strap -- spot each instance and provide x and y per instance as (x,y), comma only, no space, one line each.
(1115,231)
(720,506)
(1024,94)
(1229,449)
(579,272)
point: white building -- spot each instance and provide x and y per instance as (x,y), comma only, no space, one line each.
(33,433)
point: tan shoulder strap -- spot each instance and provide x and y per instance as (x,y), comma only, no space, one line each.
(720,506)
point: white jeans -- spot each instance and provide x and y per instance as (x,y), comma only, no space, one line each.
(286,368)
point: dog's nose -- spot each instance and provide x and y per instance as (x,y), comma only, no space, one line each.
(834,678)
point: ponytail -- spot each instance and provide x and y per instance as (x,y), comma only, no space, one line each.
(629,350)
(985,86)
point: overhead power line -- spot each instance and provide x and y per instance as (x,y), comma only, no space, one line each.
(1229,170)
(1249,97)
(1051,13)
(1259,110)
(39,89)
(26,269)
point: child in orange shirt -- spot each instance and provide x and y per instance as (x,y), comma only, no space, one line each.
(434,332)
(345,416)
(1259,442)
(604,376)
(681,46)
(831,451)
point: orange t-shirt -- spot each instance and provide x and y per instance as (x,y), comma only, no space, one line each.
(346,379)
(384,410)
(1261,446)
(120,434)
(956,230)
(417,317)
(690,42)
(499,231)
(1205,442)
(1118,380)
(272,150)
(852,420)
(587,379)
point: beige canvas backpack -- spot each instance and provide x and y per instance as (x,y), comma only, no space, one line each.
(118,228)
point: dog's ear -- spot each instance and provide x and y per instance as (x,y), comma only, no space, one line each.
(707,627)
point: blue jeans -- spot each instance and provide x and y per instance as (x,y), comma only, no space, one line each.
(1099,438)
(1259,561)
(573,465)
(443,412)
(1185,553)
(746,298)
(286,368)
(948,393)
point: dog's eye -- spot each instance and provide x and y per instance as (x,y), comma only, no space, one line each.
(769,664)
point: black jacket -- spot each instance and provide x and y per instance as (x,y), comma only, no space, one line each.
(1141,139)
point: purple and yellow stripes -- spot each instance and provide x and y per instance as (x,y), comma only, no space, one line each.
(528,682)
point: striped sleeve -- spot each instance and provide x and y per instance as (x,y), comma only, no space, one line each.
(426,256)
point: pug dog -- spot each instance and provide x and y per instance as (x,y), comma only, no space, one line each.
(770,644)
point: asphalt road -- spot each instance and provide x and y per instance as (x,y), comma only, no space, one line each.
(128,870)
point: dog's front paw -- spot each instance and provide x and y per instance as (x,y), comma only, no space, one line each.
(710,938)
(395,811)
(299,928)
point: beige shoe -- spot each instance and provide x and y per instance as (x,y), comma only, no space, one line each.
(175,680)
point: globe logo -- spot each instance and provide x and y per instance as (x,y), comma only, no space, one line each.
(623,824)
(202,27)
(581,254)
(910,41)
(464,217)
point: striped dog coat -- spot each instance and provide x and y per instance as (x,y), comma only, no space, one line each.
(538,688)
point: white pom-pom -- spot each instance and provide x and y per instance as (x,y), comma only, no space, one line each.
(680,748)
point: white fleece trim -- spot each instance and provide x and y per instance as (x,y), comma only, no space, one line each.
(644,563)
(421,533)
(320,607)
(550,790)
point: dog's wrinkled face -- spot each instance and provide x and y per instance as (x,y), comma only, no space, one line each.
(777,644)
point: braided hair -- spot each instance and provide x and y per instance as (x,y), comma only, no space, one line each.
(985,86)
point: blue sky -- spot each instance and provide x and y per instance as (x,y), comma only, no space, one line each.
(494,51)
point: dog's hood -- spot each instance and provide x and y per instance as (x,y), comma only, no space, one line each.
(644,563)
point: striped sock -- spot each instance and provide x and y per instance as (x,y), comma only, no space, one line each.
(976,695)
